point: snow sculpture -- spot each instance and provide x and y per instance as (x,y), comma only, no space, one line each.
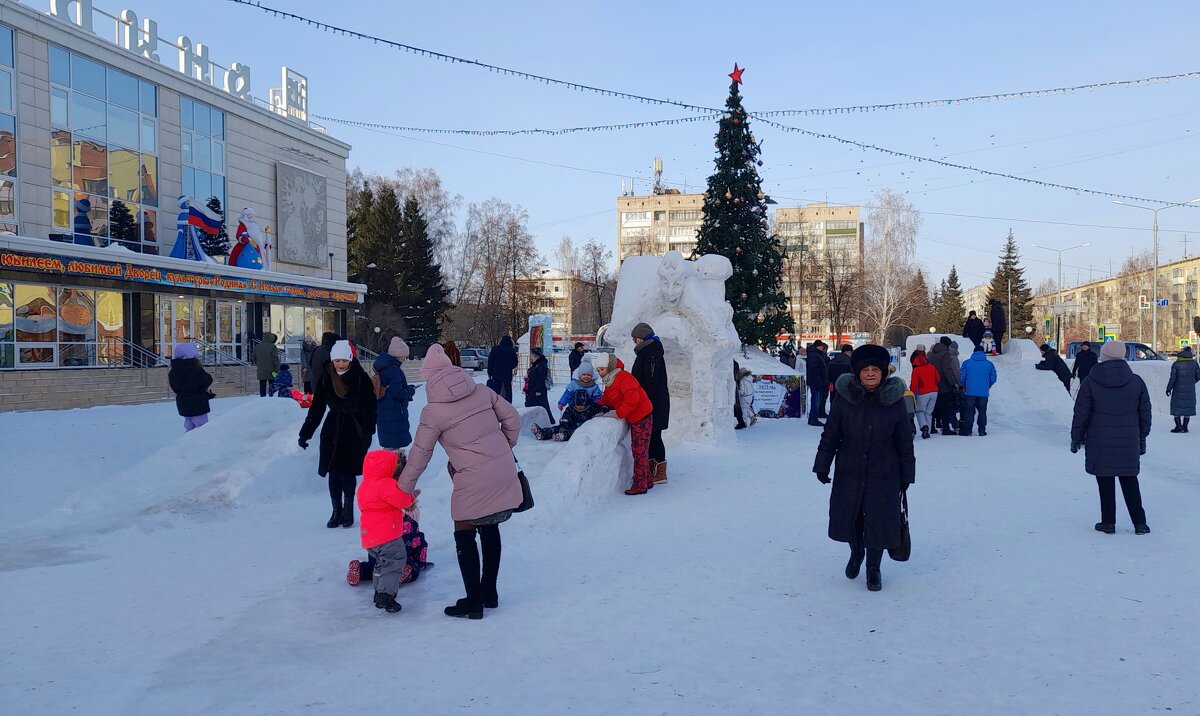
(684,301)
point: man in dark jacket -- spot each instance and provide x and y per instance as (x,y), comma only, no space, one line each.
(946,408)
(869,445)
(307,349)
(787,355)
(650,370)
(999,323)
(840,365)
(1085,360)
(816,374)
(1051,360)
(974,329)
(1111,422)
(576,357)
(320,359)
(266,361)
(502,361)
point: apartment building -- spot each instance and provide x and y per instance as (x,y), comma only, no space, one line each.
(565,296)
(655,224)
(816,239)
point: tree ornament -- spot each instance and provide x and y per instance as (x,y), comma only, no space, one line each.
(754,273)
(743,297)
(728,194)
(761,196)
(738,249)
(737,200)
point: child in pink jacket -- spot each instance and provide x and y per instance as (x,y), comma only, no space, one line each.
(382,505)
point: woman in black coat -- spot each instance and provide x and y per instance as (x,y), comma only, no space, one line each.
(346,436)
(190,382)
(869,437)
(1112,420)
(502,361)
(650,370)
(537,383)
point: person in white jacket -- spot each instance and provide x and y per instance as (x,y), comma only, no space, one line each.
(745,394)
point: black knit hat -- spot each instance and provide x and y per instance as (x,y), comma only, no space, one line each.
(846,347)
(945,340)
(870,354)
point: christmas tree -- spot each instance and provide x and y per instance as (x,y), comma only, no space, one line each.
(735,226)
(950,311)
(215,244)
(1010,270)
(421,291)
(122,226)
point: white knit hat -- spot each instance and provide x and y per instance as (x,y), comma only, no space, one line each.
(341,351)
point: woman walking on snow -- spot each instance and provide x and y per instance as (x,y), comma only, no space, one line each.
(346,436)
(190,382)
(1112,420)
(478,430)
(868,434)
(650,370)
(625,396)
(1182,389)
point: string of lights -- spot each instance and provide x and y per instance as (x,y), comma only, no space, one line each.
(517,132)
(580,87)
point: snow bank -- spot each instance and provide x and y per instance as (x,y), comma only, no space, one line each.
(1024,350)
(759,362)
(1156,373)
(965,346)
(591,467)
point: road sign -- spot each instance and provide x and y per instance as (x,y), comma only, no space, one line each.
(1162,302)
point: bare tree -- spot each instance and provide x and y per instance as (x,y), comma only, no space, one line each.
(566,256)
(596,271)
(888,284)
(839,281)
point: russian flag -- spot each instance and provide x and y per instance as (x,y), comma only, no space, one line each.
(202,218)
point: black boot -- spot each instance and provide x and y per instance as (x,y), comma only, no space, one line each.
(1178,425)
(874,576)
(336,518)
(468,563)
(347,509)
(386,602)
(1185,424)
(856,559)
(1108,528)
(924,432)
(489,542)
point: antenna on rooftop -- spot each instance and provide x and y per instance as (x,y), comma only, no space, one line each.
(658,169)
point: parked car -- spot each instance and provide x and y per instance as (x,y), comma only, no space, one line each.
(1133,351)
(474,358)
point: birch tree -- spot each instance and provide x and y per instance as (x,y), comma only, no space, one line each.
(888,280)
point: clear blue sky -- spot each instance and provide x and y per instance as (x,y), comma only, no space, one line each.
(1140,141)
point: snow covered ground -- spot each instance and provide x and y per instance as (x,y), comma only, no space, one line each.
(144,571)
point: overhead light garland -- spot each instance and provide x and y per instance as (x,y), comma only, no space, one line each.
(517,132)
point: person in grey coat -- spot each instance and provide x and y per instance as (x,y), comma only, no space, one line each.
(1181,388)
(266,358)
(1111,422)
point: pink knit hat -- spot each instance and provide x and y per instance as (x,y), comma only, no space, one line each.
(435,360)
(1112,350)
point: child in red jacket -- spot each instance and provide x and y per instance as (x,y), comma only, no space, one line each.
(924,384)
(626,397)
(382,505)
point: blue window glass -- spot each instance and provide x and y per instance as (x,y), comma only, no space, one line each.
(88,117)
(148,99)
(149,135)
(58,107)
(218,124)
(6,47)
(200,118)
(87,76)
(123,127)
(60,66)
(122,89)
(185,112)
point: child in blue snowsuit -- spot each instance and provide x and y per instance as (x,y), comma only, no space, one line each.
(579,403)
(281,385)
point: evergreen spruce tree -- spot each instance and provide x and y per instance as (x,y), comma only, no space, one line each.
(1010,269)
(122,226)
(374,254)
(950,311)
(215,244)
(921,315)
(421,291)
(735,226)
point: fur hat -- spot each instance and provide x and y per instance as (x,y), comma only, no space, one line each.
(869,354)
(1112,350)
(341,351)
(642,330)
(846,348)
(945,340)
(397,348)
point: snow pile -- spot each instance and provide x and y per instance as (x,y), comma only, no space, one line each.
(1155,373)
(590,468)
(759,362)
(1023,349)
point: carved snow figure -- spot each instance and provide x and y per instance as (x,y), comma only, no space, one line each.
(248,252)
(685,302)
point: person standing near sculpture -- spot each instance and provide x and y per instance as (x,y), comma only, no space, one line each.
(538,383)
(629,402)
(650,370)
(266,362)
(946,362)
(974,329)
(999,323)
(576,357)
(502,361)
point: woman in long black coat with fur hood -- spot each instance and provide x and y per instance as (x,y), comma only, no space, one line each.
(869,443)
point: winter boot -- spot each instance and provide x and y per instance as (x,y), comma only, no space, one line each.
(386,602)
(965,433)
(856,559)
(874,576)
(353,573)
(348,510)
(1185,424)
(658,474)
(336,518)
(982,432)
(559,437)
(1107,528)
(489,543)
(924,432)
(1141,529)
(471,606)
(1178,425)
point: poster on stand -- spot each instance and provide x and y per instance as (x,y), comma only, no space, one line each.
(770,394)
(541,334)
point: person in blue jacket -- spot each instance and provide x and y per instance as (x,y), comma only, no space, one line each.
(977,376)
(392,407)
(281,384)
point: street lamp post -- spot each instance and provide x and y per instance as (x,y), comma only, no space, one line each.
(1058,287)
(1154,276)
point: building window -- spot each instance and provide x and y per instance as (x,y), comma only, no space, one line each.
(685,215)
(202,144)
(103,154)
(8,133)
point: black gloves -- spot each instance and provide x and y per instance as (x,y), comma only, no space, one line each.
(303,443)
(823,478)
(1075,446)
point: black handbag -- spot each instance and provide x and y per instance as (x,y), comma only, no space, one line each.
(904,551)
(526,493)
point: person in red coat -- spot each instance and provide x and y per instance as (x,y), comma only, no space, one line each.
(924,384)
(382,505)
(626,397)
